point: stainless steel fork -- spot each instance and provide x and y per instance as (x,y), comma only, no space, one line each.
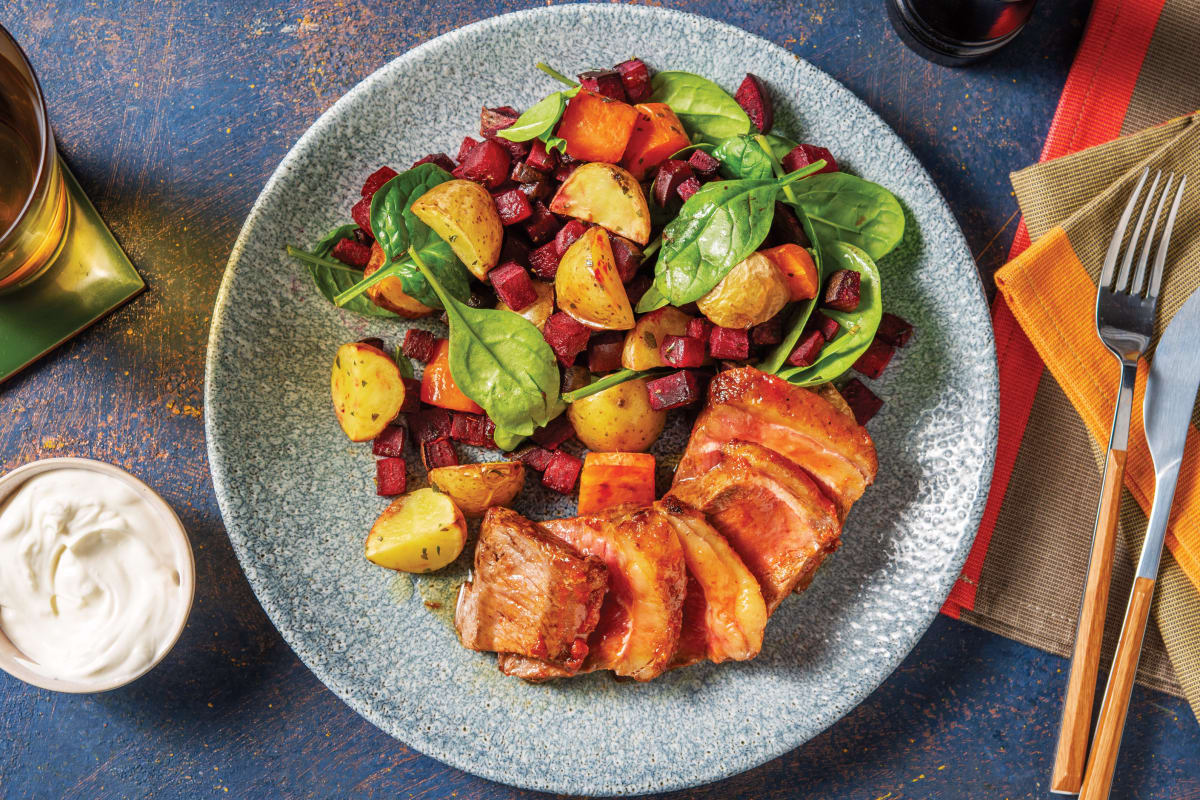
(1125,307)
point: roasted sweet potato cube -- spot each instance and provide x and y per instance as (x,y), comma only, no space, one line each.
(755,100)
(894,330)
(874,359)
(596,128)
(862,401)
(842,290)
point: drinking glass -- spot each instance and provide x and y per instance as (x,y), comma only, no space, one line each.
(957,32)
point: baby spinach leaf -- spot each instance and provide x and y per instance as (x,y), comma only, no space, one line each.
(651,300)
(742,157)
(540,118)
(803,310)
(707,111)
(846,208)
(332,277)
(507,440)
(554,142)
(780,145)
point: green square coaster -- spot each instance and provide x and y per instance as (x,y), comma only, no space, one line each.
(90,277)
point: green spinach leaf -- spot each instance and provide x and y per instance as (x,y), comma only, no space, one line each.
(742,157)
(707,111)
(780,146)
(846,208)
(651,300)
(332,277)
(540,118)
(801,313)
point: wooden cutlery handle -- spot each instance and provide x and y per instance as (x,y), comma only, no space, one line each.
(1071,754)
(1097,781)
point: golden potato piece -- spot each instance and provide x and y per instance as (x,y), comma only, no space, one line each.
(589,287)
(618,419)
(642,344)
(539,310)
(389,292)
(477,487)
(421,531)
(606,195)
(367,389)
(753,292)
(830,393)
(464,214)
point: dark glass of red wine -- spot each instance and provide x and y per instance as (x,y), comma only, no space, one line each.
(957,32)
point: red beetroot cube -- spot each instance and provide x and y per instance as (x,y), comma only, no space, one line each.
(627,257)
(637,286)
(352,253)
(513,206)
(494,120)
(538,191)
(516,150)
(441,159)
(681,351)
(826,325)
(562,472)
(564,170)
(418,345)
(514,249)
(513,286)
(430,424)
(469,429)
(604,81)
(699,328)
(390,476)
(755,100)
(568,234)
(541,225)
(544,261)
(673,391)
(688,188)
(804,154)
(703,164)
(843,290)
(566,337)
(361,214)
(487,163)
(671,174)
(635,76)
(767,333)
(488,438)
(464,149)
(807,349)
(532,456)
(523,173)
(894,330)
(873,360)
(363,237)
(604,352)
(729,343)
(373,341)
(376,179)
(412,395)
(540,158)
(390,442)
(786,227)
(438,453)
(554,433)
(862,401)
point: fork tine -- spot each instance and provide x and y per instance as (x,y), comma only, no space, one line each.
(1136,287)
(1114,247)
(1160,257)
(1127,262)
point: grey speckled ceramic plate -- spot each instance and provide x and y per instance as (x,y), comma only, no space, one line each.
(297,498)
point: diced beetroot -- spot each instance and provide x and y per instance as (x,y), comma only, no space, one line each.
(439,453)
(826,325)
(627,257)
(493,120)
(562,472)
(513,286)
(842,290)
(542,225)
(729,343)
(894,330)
(472,429)
(862,401)
(769,332)
(538,191)
(873,360)
(755,100)
(412,395)
(430,424)
(523,173)
(638,286)
(441,159)
(807,349)
(418,345)
(481,296)
(514,249)
(373,341)
(575,377)
(786,228)
(487,163)
(390,476)
(361,214)
(674,390)
(376,179)
(604,352)
(540,158)
(552,435)
(363,237)
(544,261)
(682,351)
(702,163)
(513,206)
(566,337)
(568,234)
(671,173)
(390,442)
(607,82)
(688,188)
(804,154)
(699,328)
(464,149)
(564,170)
(489,434)
(532,456)
(352,253)
(516,150)
(635,75)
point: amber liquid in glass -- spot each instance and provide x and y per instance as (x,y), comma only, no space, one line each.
(17,164)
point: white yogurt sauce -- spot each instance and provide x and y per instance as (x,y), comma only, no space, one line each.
(89,576)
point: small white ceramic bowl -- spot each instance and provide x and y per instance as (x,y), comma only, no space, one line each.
(13,661)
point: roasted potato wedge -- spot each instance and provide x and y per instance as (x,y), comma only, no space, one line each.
(477,487)
(753,292)
(367,388)
(830,393)
(539,310)
(389,292)
(464,214)
(642,343)
(588,285)
(608,196)
(421,531)
(618,419)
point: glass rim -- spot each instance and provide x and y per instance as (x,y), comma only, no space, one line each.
(44,144)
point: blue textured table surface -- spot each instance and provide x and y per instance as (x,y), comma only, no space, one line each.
(173,114)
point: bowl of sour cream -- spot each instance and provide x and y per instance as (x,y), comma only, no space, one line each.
(96,575)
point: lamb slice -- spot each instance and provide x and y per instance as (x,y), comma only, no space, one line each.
(724,613)
(801,425)
(777,519)
(530,593)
